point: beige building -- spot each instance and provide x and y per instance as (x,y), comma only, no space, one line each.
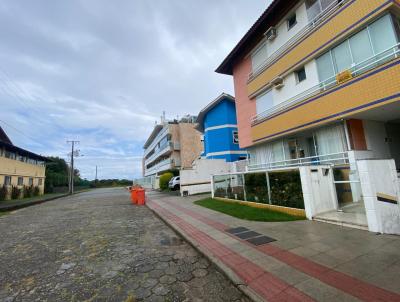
(171,145)
(19,167)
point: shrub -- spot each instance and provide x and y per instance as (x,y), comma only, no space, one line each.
(28,191)
(164,179)
(36,191)
(15,192)
(286,189)
(3,192)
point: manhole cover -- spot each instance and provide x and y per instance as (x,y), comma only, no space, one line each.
(247,235)
(237,230)
(260,240)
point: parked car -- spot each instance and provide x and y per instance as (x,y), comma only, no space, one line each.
(174,183)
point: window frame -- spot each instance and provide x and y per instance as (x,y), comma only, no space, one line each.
(30,181)
(7,177)
(20,183)
(293,15)
(297,72)
(235,137)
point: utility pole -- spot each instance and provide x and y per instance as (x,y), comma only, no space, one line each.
(72,174)
(95,179)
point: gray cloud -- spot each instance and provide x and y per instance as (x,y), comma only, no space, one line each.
(103,71)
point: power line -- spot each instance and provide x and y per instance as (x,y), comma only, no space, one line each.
(19,131)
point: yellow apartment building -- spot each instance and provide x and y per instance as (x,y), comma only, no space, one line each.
(19,167)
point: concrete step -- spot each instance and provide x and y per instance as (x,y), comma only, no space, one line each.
(351,220)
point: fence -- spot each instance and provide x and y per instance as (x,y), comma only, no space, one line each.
(276,187)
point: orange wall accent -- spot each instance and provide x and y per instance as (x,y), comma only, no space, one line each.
(356,134)
(245,108)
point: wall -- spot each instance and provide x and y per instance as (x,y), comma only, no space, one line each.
(292,88)
(318,190)
(198,179)
(283,34)
(191,144)
(393,132)
(379,179)
(375,134)
(346,20)
(15,168)
(370,90)
(245,108)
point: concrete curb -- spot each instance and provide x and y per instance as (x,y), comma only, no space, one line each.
(218,263)
(32,203)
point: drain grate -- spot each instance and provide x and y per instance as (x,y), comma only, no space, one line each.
(260,240)
(237,230)
(247,235)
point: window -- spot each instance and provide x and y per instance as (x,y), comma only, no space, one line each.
(40,181)
(235,137)
(291,21)
(7,180)
(30,181)
(20,181)
(259,56)
(10,155)
(316,7)
(367,46)
(264,102)
(300,74)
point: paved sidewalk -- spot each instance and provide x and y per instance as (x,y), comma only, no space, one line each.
(309,261)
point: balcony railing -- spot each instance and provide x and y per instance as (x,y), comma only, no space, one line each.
(166,147)
(162,165)
(358,69)
(326,159)
(156,140)
(311,26)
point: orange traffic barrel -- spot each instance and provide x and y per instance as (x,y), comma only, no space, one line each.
(141,196)
(134,195)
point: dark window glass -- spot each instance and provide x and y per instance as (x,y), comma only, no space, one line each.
(301,75)
(20,181)
(292,21)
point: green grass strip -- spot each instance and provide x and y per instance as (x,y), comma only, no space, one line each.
(245,212)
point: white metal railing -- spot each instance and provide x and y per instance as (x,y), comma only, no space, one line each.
(156,140)
(334,158)
(312,25)
(356,70)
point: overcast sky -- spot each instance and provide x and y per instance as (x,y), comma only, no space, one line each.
(102,72)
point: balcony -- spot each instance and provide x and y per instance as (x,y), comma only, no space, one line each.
(324,159)
(308,29)
(164,165)
(163,150)
(328,29)
(156,140)
(367,85)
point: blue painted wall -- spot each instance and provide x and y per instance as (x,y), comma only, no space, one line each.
(221,140)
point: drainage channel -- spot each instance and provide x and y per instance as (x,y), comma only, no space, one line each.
(250,236)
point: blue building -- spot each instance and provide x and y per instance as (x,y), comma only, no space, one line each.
(217,121)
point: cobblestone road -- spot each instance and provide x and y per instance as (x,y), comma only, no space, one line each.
(95,246)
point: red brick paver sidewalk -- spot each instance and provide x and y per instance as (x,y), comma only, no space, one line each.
(271,271)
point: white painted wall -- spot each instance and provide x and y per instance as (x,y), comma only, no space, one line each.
(318,190)
(380,176)
(198,179)
(292,88)
(375,134)
(283,34)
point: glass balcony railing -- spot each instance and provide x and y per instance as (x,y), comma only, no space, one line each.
(356,70)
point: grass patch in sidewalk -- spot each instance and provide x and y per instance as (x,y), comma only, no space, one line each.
(245,212)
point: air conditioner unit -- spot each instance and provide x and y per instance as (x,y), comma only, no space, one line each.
(278,82)
(270,34)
